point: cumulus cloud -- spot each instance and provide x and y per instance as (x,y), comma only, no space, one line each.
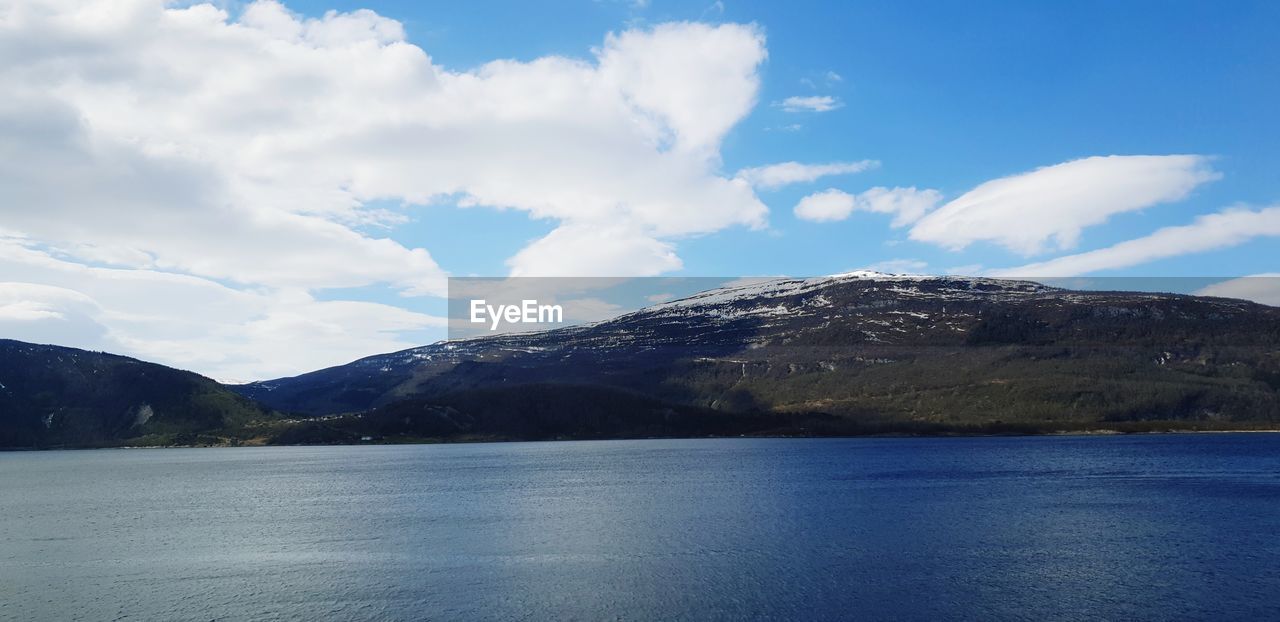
(905,204)
(786,173)
(1048,208)
(810,103)
(825,206)
(1209,232)
(257,154)
(595,250)
(699,79)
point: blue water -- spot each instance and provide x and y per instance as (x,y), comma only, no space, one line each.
(1075,528)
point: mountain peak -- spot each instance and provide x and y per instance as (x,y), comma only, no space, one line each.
(876,275)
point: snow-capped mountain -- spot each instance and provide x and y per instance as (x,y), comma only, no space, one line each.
(861,344)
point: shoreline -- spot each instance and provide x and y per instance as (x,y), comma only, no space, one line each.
(1102,432)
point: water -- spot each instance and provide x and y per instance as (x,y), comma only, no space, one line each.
(1168,527)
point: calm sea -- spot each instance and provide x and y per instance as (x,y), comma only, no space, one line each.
(1078,528)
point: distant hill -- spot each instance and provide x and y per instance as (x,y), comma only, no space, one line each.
(52,396)
(849,354)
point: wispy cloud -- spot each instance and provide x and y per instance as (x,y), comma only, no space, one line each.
(810,103)
(1049,207)
(785,173)
(905,204)
(1209,232)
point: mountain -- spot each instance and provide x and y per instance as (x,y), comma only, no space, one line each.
(52,396)
(855,353)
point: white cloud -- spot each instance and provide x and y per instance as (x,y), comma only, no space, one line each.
(102,199)
(596,250)
(897,266)
(249,154)
(1208,232)
(40,313)
(317,117)
(785,173)
(906,204)
(825,206)
(1025,212)
(191,322)
(699,79)
(810,103)
(1260,288)
(33,302)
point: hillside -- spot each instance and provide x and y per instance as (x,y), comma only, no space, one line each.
(855,353)
(52,396)
(860,353)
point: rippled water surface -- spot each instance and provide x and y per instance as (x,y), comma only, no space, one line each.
(1178,526)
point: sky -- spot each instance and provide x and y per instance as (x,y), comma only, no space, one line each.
(254,190)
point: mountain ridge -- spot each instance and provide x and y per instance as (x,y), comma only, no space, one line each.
(682,352)
(852,354)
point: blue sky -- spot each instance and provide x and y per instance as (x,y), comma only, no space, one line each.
(944,95)
(256,189)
